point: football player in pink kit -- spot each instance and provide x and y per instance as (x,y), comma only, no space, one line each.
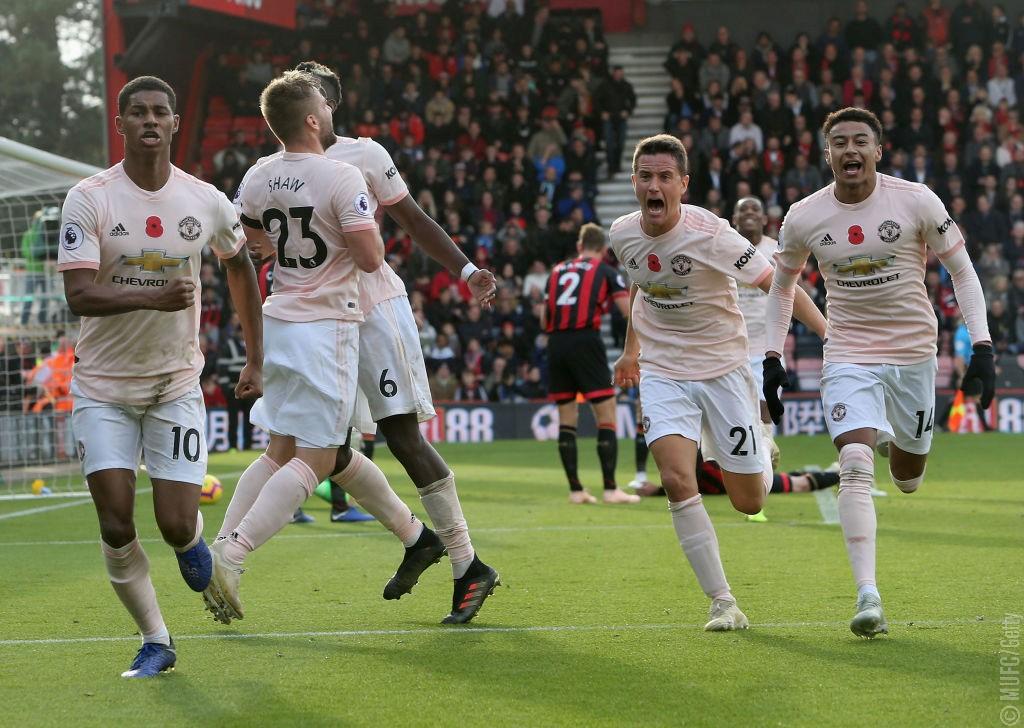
(131,245)
(317,214)
(686,346)
(870,234)
(393,378)
(749,220)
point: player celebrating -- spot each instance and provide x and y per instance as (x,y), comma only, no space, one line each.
(131,245)
(749,220)
(578,292)
(870,233)
(393,378)
(685,344)
(318,213)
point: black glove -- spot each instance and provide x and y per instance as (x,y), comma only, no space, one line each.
(774,377)
(981,371)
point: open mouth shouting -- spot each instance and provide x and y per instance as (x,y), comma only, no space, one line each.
(852,168)
(150,138)
(655,206)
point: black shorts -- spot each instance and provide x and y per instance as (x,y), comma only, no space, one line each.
(577,362)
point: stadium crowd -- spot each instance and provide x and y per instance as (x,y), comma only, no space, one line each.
(494,117)
(497,116)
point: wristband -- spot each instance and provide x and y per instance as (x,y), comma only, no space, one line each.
(468,270)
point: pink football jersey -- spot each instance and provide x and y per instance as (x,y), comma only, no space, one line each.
(872,256)
(754,305)
(386,187)
(305,202)
(686,314)
(134,238)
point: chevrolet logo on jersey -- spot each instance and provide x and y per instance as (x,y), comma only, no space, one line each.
(154,261)
(660,290)
(863,265)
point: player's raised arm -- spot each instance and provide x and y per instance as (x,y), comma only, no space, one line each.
(943,236)
(390,189)
(438,245)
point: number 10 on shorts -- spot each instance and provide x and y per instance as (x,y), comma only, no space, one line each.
(187,444)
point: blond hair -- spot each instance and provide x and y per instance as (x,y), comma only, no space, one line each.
(592,237)
(287,100)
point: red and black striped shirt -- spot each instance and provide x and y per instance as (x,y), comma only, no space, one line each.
(578,293)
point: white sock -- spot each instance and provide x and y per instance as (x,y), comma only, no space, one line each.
(868,589)
(641,475)
(441,502)
(365,482)
(247,490)
(286,490)
(857,510)
(700,544)
(128,569)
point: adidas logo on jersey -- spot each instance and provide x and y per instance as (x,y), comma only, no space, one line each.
(827,240)
(119,231)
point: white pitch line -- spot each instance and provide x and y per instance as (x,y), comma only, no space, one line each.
(56,507)
(384,534)
(469,630)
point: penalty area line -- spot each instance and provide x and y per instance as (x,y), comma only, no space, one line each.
(472,630)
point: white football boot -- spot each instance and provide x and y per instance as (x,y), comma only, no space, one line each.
(725,616)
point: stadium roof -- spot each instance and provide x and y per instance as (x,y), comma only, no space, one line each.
(25,170)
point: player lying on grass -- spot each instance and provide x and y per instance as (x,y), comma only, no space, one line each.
(710,481)
(393,379)
(871,234)
(130,252)
(578,293)
(687,349)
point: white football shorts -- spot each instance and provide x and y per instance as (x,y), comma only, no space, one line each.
(724,408)
(392,374)
(362,421)
(897,400)
(309,380)
(171,436)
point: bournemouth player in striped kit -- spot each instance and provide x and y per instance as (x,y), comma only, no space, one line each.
(578,294)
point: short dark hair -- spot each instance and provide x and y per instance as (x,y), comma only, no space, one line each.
(853,113)
(144,83)
(283,99)
(663,144)
(328,79)
(592,237)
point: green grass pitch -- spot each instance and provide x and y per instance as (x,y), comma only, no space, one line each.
(597,624)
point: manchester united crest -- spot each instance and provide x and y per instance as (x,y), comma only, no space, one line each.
(889,231)
(839,412)
(189,228)
(681,265)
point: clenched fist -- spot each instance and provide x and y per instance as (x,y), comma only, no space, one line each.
(178,294)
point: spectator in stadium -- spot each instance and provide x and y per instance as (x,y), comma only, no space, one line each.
(615,103)
(442,383)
